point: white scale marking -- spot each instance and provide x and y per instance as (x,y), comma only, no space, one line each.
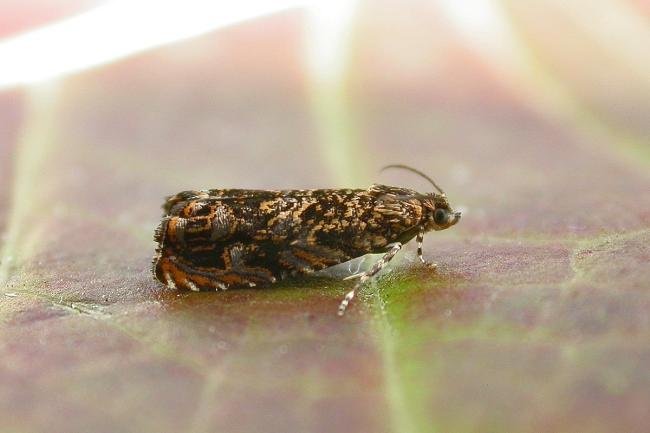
(192,286)
(170,282)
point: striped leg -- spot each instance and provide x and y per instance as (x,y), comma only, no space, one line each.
(369,273)
(419,240)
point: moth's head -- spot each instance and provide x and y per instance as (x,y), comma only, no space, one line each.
(437,213)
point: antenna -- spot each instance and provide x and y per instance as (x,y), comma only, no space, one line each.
(412,170)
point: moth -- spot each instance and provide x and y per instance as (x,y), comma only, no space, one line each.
(224,238)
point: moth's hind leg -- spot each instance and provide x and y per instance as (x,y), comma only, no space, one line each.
(240,273)
(304,258)
(177,273)
(419,239)
(248,276)
(378,266)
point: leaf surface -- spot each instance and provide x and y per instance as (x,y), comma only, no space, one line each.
(536,320)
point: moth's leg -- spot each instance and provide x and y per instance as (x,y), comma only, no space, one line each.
(248,276)
(306,258)
(369,273)
(178,273)
(419,239)
(294,264)
(239,273)
(182,242)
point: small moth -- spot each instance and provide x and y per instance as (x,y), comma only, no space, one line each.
(222,238)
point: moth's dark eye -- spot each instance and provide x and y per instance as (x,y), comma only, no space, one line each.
(440,216)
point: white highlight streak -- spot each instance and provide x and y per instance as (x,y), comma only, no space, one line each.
(116,30)
(330,23)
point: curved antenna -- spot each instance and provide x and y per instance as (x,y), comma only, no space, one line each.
(418,172)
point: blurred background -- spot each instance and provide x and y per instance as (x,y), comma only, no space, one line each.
(534,116)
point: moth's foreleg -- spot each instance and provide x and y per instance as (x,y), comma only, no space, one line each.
(419,239)
(369,273)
